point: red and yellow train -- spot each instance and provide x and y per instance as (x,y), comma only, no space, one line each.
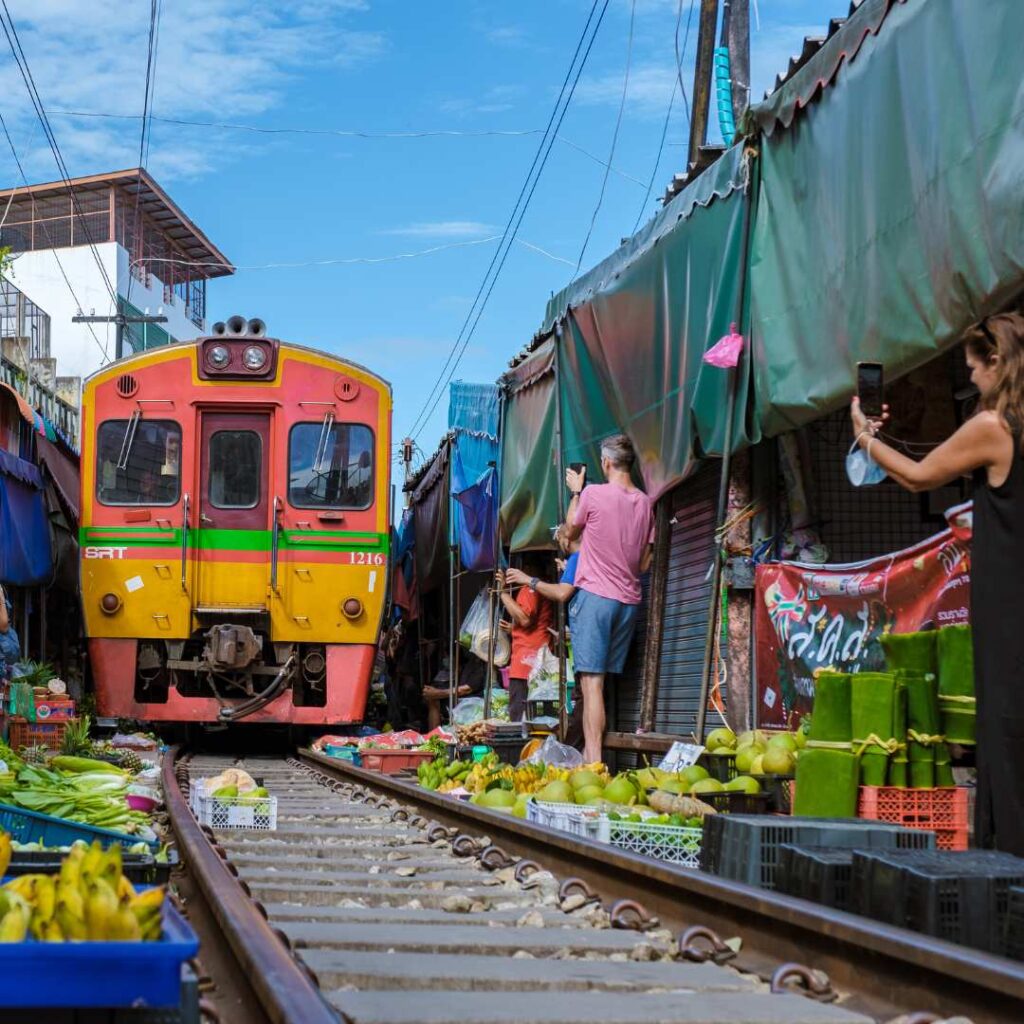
(234,531)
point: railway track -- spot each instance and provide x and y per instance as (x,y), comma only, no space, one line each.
(375,902)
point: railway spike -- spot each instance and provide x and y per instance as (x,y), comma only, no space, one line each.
(630,914)
(494,858)
(815,985)
(524,869)
(463,845)
(699,943)
(400,815)
(576,887)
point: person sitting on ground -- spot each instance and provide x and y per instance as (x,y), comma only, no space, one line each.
(531,619)
(616,523)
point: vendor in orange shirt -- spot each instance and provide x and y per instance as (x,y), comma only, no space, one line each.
(532,618)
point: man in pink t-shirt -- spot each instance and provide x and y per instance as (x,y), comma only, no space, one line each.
(616,524)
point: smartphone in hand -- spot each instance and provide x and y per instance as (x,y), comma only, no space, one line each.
(870,390)
(581,468)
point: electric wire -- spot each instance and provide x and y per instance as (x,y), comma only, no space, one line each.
(18,52)
(498,262)
(615,137)
(679,56)
(46,230)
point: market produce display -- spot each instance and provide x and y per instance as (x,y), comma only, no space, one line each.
(89,900)
(827,772)
(955,652)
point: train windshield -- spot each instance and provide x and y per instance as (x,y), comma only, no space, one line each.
(330,465)
(236,466)
(144,471)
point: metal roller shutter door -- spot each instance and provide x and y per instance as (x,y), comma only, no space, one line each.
(687,599)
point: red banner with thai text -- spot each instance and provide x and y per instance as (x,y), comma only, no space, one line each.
(810,617)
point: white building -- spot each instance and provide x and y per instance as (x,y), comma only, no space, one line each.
(112,243)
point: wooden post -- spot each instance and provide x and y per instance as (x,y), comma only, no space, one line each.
(656,614)
(563,690)
(702,78)
(738,41)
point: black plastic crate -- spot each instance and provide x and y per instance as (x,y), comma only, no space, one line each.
(745,848)
(817,873)
(738,803)
(1013,929)
(719,766)
(780,792)
(508,750)
(962,897)
(876,880)
(138,868)
(541,709)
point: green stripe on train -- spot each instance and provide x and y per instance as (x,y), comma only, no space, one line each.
(233,540)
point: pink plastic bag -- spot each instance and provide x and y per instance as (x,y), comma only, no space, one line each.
(725,353)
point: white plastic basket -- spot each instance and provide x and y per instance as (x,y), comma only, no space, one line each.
(253,812)
(588,822)
(674,843)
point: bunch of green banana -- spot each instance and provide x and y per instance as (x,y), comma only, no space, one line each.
(438,775)
(90,900)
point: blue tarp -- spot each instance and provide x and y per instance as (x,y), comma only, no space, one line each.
(25,556)
(473,417)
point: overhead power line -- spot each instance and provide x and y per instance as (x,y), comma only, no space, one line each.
(18,52)
(522,204)
(615,137)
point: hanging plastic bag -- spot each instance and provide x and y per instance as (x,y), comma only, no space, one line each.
(555,753)
(477,627)
(468,711)
(542,682)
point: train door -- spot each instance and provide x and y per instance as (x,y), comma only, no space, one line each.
(232,521)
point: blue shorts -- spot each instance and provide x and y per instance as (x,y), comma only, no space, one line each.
(601,631)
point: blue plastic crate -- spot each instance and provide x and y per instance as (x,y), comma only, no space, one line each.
(32,827)
(106,974)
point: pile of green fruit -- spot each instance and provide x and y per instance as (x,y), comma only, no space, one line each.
(758,752)
(435,774)
(676,820)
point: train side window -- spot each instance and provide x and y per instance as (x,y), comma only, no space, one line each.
(332,469)
(236,465)
(138,467)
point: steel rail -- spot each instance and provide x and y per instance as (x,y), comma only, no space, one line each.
(288,995)
(886,968)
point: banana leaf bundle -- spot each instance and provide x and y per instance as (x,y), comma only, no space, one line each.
(826,771)
(955,648)
(898,764)
(873,697)
(915,652)
(923,727)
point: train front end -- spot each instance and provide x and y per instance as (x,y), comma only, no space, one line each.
(235,527)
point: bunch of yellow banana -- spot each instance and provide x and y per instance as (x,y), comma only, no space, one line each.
(90,900)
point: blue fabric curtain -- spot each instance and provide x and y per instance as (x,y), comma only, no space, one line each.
(25,556)
(473,416)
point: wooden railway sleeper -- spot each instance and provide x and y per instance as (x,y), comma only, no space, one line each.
(799,978)
(699,943)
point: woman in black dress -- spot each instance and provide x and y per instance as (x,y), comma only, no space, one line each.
(990,446)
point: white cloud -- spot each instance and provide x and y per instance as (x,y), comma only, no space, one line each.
(442,229)
(223,58)
(650,86)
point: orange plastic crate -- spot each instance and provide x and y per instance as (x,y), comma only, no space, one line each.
(942,811)
(390,762)
(49,734)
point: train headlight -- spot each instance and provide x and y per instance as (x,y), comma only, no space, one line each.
(352,608)
(218,356)
(255,357)
(110,604)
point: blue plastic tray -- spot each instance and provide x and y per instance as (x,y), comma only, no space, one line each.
(343,753)
(107,974)
(31,827)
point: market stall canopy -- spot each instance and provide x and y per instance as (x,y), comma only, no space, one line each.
(25,555)
(529,478)
(473,415)
(888,214)
(429,501)
(634,331)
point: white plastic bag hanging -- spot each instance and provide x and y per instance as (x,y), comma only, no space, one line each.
(542,682)
(558,754)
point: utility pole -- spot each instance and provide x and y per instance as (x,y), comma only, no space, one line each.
(407,450)
(120,320)
(738,41)
(702,80)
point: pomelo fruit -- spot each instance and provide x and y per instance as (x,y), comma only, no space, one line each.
(498,799)
(743,784)
(620,790)
(558,791)
(587,793)
(584,777)
(647,778)
(720,738)
(800,738)
(675,786)
(757,767)
(783,741)
(693,774)
(778,761)
(519,810)
(745,757)
(707,786)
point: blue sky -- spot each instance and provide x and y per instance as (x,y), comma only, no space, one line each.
(467,66)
